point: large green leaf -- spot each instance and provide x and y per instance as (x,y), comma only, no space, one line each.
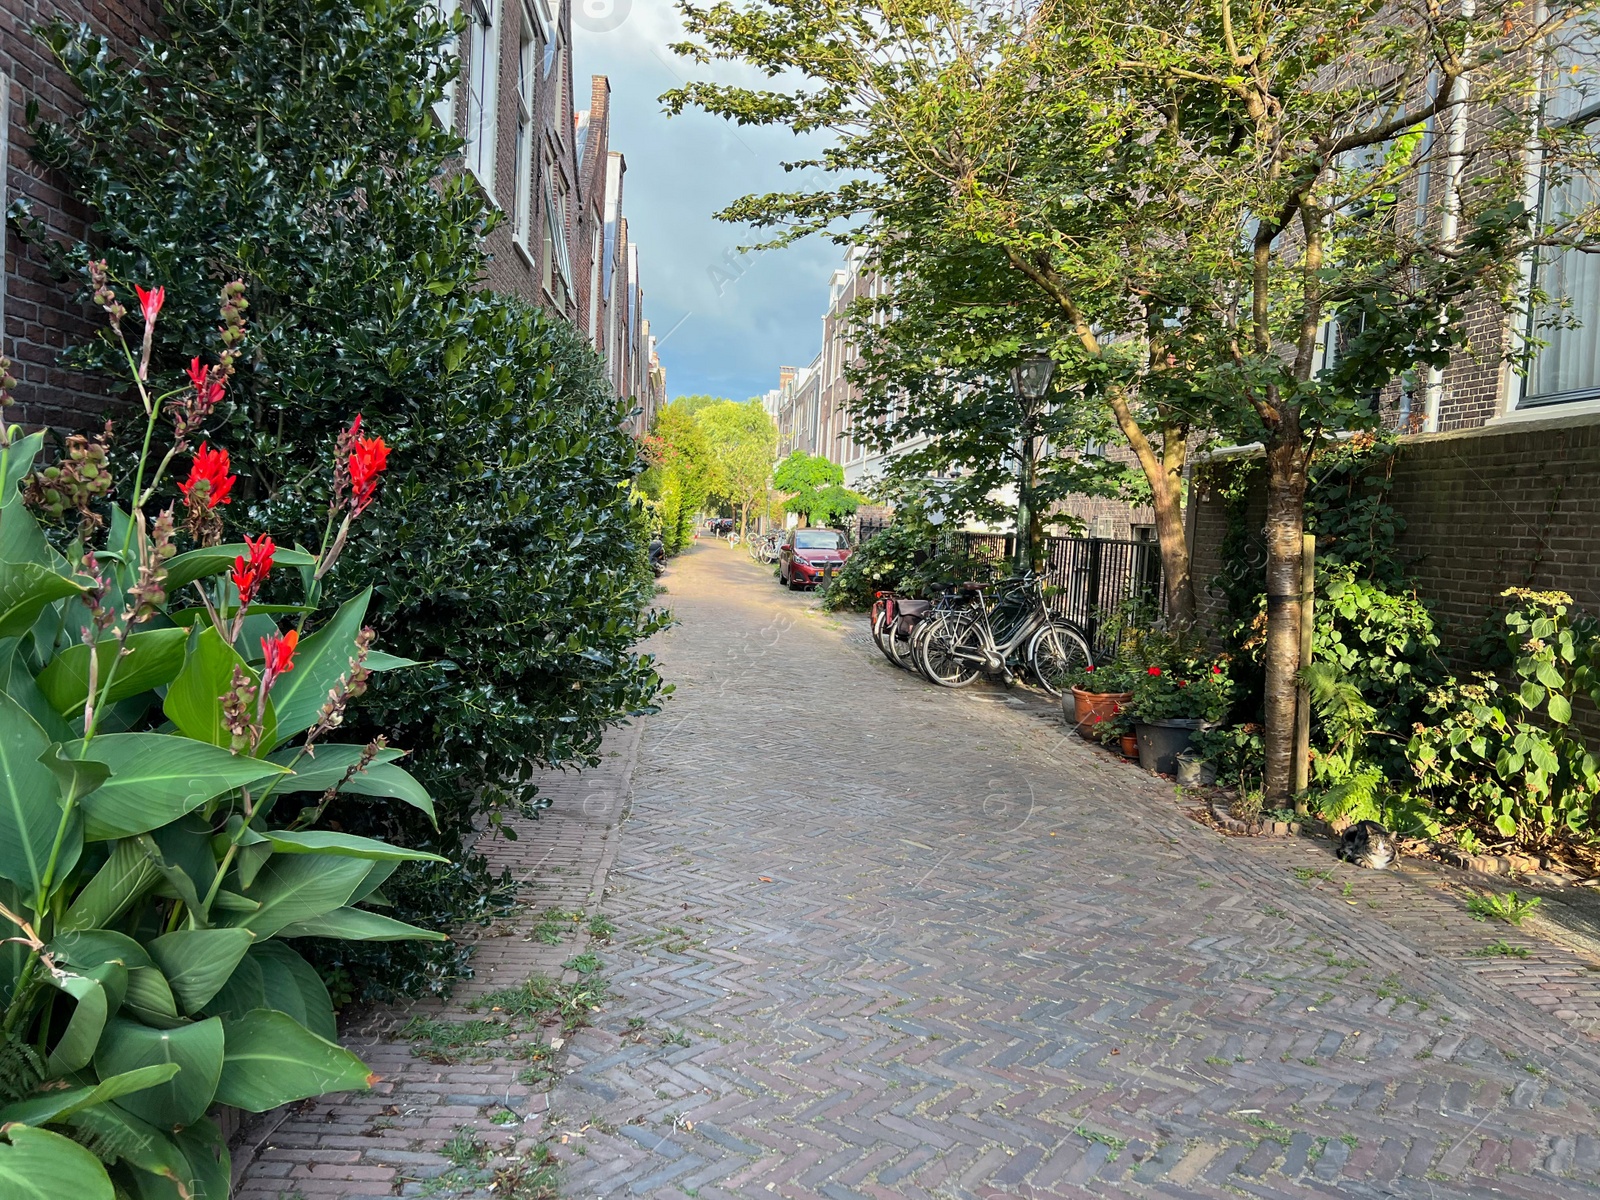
(124,1138)
(196,1048)
(17,681)
(211,1173)
(389,779)
(62,1103)
(197,962)
(244,992)
(40,1165)
(359,925)
(382,778)
(157,778)
(91,947)
(154,658)
(272,1059)
(25,590)
(319,661)
(30,808)
(319,841)
(193,701)
(21,539)
(126,875)
(325,766)
(184,569)
(292,985)
(297,887)
(76,1046)
(16,460)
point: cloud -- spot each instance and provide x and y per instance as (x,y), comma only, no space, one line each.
(730,320)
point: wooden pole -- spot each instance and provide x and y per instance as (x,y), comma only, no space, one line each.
(1302,715)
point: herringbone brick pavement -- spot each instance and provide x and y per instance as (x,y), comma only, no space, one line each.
(391,1140)
(878,939)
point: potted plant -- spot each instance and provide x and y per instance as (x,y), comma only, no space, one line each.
(1170,704)
(1098,693)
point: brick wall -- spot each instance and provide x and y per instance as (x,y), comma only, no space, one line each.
(1485,509)
(41,318)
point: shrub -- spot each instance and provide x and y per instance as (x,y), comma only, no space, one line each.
(507,546)
(1201,691)
(168,767)
(909,556)
(1504,756)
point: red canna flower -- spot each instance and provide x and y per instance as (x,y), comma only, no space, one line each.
(279,652)
(150,302)
(1153,671)
(249,574)
(368,460)
(211,468)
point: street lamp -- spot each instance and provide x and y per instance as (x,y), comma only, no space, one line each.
(1030,379)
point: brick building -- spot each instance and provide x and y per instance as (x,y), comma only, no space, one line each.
(544,166)
(1496,474)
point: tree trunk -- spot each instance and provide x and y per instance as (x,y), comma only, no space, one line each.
(1166,497)
(1286,497)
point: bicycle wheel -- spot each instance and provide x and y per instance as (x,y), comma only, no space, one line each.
(897,643)
(880,619)
(1055,653)
(949,651)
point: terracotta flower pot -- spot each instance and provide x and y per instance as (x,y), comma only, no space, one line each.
(1130,746)
(1090,708)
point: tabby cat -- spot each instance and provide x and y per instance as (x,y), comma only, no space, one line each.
(1367,844)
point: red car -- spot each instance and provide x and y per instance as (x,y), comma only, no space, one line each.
(811,556)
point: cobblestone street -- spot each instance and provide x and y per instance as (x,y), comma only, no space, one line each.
(880,939)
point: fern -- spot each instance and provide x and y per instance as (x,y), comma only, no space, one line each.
(1354,798)
(21,1071)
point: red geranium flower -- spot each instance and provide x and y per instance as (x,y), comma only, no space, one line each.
(279,653)
(1216,670)
(249,574)
(1183,683)
(368,460)
(1089,667)
(210,467)
(150,302)
(1153,671)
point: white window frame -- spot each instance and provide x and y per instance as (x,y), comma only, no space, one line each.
(445,107)
(483,84)
(527,127)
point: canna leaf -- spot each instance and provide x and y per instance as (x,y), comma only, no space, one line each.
(272,1059)
(40,1165)
(157,778)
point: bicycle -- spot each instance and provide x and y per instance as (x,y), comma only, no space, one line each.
(960,644)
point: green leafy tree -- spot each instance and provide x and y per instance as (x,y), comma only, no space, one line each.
(743,440)
(293,145)
(817,487)
(1203,195)
(683,472)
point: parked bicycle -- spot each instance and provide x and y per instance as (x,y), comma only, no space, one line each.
(896,618)
(764,547)
(1017,631)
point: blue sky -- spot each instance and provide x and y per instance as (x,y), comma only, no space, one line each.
(729,321)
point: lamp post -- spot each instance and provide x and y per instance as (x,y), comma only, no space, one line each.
(1030,380)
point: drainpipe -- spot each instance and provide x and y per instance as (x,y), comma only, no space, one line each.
(1450,221)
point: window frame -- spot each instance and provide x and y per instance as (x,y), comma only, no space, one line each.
(483,86)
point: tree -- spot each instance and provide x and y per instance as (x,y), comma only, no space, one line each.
(935,373)
(682,472)
(978,156)
(1194,192)
(742,439)
(819,494)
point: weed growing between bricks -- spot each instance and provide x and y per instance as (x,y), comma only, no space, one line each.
(532,1176)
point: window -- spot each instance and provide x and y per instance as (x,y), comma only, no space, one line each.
(1568,366)
(557,266)
(445,109)
(483,78)
(522,197)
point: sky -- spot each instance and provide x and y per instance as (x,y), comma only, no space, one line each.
(725,322)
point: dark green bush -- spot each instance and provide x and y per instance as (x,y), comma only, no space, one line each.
(292,145)
(910,557)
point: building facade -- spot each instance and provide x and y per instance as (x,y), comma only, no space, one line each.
(546,168)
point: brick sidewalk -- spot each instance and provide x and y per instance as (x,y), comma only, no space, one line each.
(391,1140)
(878,939)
